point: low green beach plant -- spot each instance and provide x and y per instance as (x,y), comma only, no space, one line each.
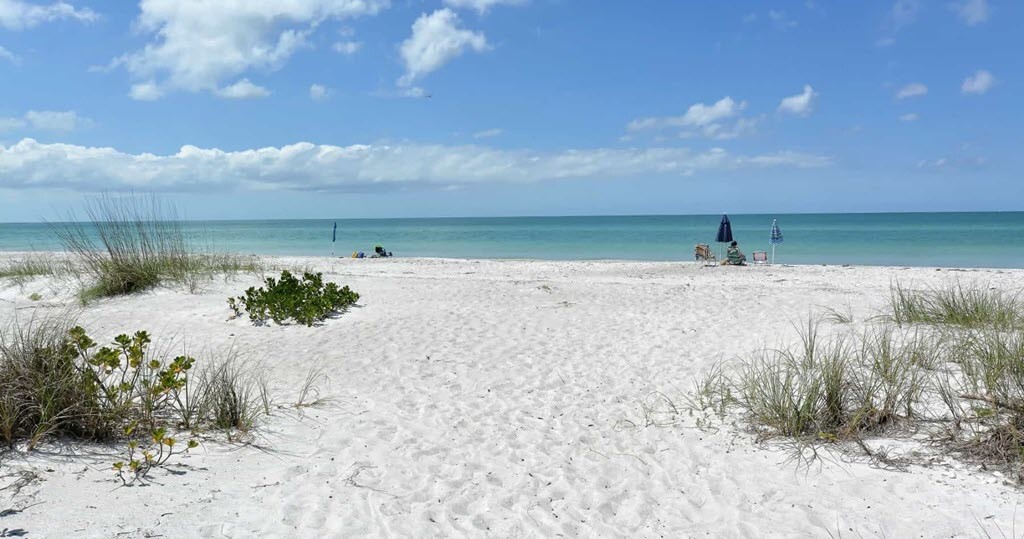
(305,300)
(57,382)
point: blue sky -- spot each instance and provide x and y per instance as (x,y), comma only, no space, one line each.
(364,108)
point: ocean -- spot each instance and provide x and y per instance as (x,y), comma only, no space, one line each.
(902,239)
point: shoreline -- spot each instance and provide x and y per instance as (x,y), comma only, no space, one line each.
(4,255)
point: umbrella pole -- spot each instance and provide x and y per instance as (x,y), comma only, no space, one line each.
(773,254)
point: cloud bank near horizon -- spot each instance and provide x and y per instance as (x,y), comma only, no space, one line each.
(304,166)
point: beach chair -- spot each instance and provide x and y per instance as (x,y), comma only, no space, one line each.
(760,257)
(703,255)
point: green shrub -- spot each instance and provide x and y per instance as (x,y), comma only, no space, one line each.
(306,300)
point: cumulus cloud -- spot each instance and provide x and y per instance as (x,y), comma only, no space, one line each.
(697,115)
(912,90)
(436,40)
(909,117)
(19,15)
(481,6)
(702,120)
(243,89)
(306,166)
(488,133)
(46,120)
(973,12)
(197,45)
(348,48)
(146,91)
(978,83)
(318,92)
(801,104)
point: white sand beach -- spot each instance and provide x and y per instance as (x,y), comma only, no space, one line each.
(501,399)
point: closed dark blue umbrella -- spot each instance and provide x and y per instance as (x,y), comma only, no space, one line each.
(724,230)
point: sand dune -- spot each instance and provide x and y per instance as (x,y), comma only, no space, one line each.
(501,399)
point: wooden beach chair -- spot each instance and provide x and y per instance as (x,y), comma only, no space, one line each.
(703,255)
(760,257)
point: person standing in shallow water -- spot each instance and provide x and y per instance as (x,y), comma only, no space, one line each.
(733,255)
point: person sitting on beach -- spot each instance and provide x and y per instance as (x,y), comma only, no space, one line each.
(381,253)
(733,256)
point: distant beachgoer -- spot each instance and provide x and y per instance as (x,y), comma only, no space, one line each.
(381,252)
(733,255)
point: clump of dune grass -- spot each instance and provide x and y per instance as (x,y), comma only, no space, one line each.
(966,306)
(827,388)
(984,392)
(134,243)
(44,391)
(236,393)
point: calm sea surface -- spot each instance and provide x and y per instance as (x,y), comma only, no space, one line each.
(916,239)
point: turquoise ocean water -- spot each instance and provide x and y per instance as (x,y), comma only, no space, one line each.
(917,239)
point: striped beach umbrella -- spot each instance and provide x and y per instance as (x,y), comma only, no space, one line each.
(776,237)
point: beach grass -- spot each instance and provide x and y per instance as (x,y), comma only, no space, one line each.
(23,270)
(968,306)
(44,390)
(132,244)
(950,360)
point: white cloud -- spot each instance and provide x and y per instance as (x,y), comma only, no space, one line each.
(883,42)
(488,133)
(801,104)
(305,166)
(318,92)
(436,39)
(978,83)
(973,12)
(48,120)
(481,6)
(19,15)
(912,90)
(146,91)
(243,89)
(741,127)
(9,56)
(348,48)
(197,44)
(45,120)
(909,117)
(698,115)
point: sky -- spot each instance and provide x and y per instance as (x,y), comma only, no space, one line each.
(244,109)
